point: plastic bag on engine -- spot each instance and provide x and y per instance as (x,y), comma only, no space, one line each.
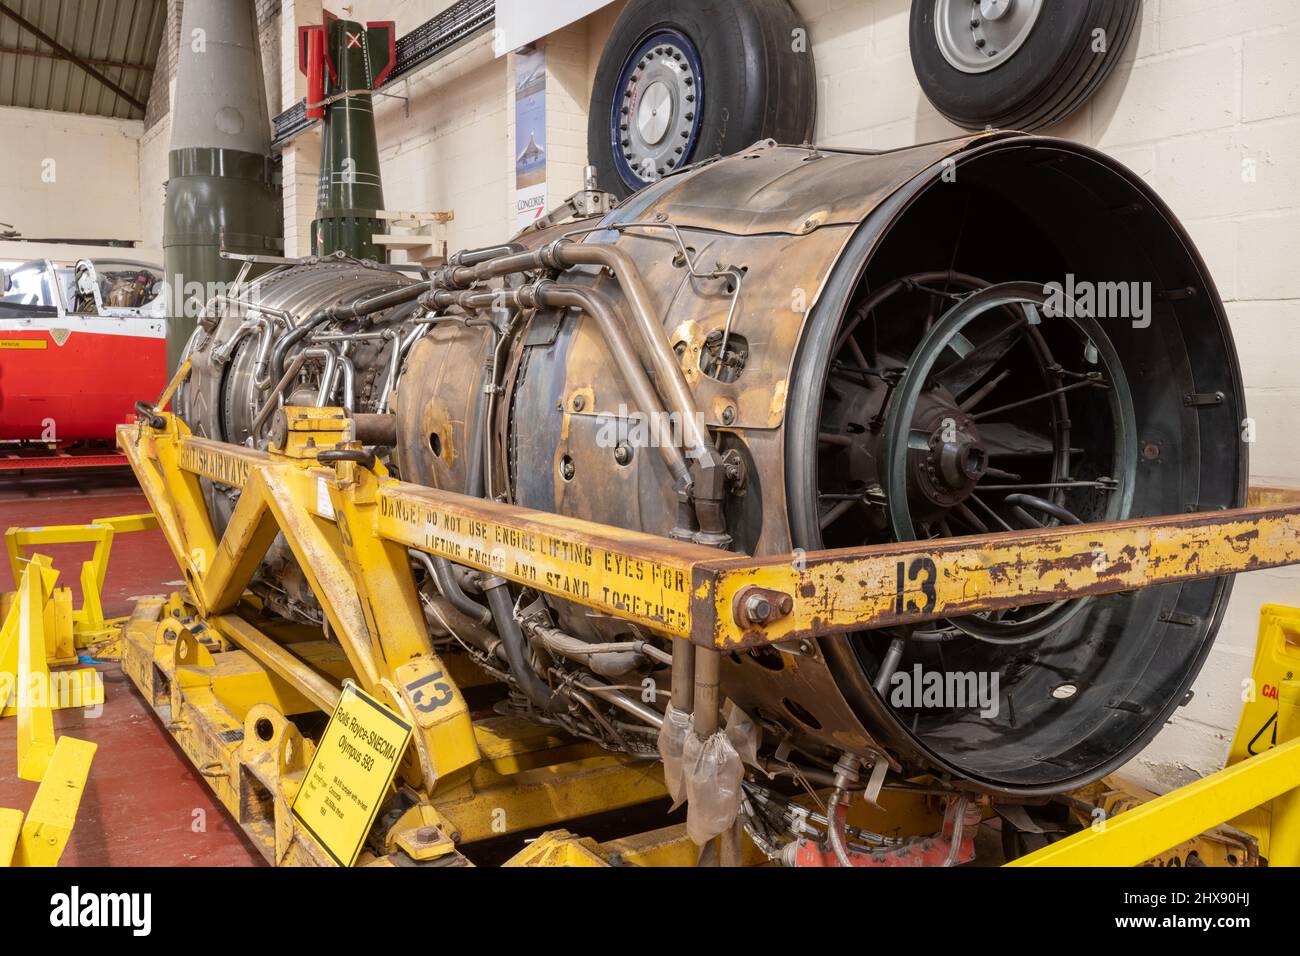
(678,726)
(713,772)
(743,734)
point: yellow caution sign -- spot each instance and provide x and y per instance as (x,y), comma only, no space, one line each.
(350,774)
(24,343)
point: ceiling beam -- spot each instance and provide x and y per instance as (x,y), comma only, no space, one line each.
(67,54)
(110,64)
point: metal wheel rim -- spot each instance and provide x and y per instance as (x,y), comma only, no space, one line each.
(656,116)
(976,36)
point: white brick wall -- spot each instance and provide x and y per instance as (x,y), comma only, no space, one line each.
(301,158)
(448,154)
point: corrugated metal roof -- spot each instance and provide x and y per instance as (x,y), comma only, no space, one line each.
(118,39)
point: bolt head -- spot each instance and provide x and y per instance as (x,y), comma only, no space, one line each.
(758,608)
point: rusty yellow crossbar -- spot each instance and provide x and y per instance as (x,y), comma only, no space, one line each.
(679,589)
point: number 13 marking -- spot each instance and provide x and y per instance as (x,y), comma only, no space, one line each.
(928,573)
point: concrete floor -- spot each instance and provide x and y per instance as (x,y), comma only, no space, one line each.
(144,804)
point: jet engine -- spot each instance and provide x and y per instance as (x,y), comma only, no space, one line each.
(785,350)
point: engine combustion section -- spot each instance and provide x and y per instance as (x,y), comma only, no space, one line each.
(796,348)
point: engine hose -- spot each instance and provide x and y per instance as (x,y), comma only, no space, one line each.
(444,577)
(1019,503)
(364,307)
(516,647)
(290,339)
(602,312)
(835,830)
(474,257)
(378,303)
(846,776)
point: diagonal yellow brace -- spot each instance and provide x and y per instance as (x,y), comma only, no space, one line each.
(1137,835)
(248,535)
(54,809)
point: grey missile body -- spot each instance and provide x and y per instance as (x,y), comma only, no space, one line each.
(221,185)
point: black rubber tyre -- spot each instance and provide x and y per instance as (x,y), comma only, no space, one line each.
(758,80)
(1043,81)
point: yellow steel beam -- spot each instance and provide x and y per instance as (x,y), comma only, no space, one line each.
(683,590)
(910,582)
(182,373)
(35,720)
(9,656)
(278,659)
(249,532)
(53,812)
(1262,495)
(124,524)
(497,804)
(421,686)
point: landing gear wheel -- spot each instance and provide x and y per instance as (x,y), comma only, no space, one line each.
(1016,64)
(681,81)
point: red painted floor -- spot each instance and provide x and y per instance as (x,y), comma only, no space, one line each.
(144,804)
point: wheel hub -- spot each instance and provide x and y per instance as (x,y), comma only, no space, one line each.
(945,457)
(655,113)
(976,36)
(657,110)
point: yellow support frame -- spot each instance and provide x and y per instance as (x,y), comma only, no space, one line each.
(350,527)
(88,622)
(62,765)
